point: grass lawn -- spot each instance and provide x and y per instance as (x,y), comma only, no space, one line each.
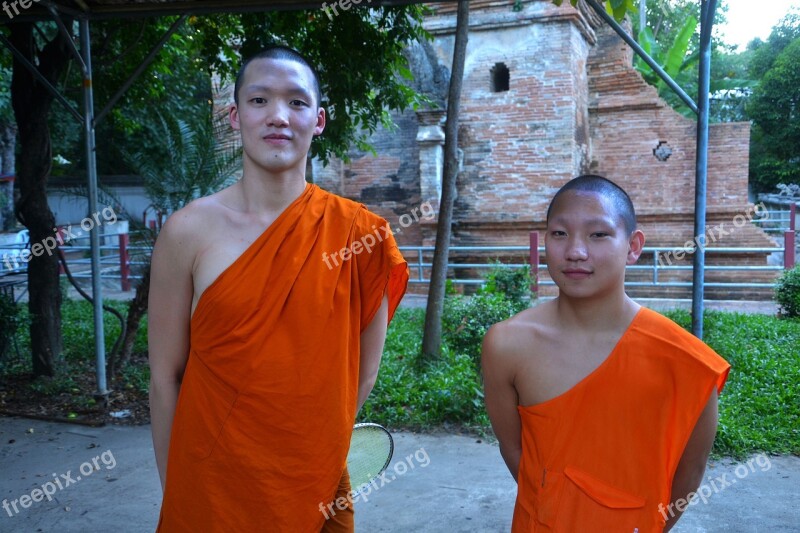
(759,408)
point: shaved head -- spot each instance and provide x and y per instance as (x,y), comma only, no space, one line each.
(278,52)
(590,183)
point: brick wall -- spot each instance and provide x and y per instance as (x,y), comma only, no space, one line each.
(628,121)
(574,105)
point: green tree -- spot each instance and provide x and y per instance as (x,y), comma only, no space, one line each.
(764,54)
(672,38)
(730,69)
(45,47)
(359,55)
(775,110)
(675,58)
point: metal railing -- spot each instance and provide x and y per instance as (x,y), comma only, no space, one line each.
(420,262)
(778,220)
(117,263)
(115,258)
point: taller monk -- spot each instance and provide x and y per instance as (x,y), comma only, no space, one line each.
(261,351)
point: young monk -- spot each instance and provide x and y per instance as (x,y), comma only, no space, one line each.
(261,351)
(605,411)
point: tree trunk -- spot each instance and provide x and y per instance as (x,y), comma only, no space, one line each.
(136,310)
(432,337)
(31,102)
(8,142)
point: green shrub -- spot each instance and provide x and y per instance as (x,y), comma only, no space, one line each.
(787,292)
(466,320)
(77,322)
(9,322)
(513,283)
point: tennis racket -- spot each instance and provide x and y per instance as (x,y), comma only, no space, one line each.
(371,449)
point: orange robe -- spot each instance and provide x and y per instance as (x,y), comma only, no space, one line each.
(601,456)
(268,399)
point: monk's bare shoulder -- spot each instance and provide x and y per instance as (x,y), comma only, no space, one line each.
(512,343)
(188,230)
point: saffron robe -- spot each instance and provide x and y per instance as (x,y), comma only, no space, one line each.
(602,456)
(268,398)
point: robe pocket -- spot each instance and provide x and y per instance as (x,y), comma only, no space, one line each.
(590,504)
(206,402)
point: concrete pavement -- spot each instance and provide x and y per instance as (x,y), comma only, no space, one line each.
(437,483)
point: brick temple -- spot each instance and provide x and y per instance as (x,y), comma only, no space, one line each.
(549,93)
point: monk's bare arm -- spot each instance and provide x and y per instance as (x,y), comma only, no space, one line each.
(372,341)
(692,465)
(501,397)
(168,316)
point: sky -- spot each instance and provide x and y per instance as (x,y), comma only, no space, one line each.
(748,19)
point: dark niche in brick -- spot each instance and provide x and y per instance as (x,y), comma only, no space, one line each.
(379,194)
(500,78)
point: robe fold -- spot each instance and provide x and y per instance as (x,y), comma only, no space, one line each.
(602,456)
(268,398)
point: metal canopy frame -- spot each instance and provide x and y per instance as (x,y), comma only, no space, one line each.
(90,122)
(86,11)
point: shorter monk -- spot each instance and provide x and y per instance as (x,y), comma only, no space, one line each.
(605,411)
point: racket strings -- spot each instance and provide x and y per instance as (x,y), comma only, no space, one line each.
(370,453)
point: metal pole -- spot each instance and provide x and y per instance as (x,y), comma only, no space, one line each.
(707,9)
(94,235)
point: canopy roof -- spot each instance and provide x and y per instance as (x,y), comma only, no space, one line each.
(110,9)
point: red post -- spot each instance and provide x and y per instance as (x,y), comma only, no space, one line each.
(534,261)
(124,262)
(792,216)
(788,250)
